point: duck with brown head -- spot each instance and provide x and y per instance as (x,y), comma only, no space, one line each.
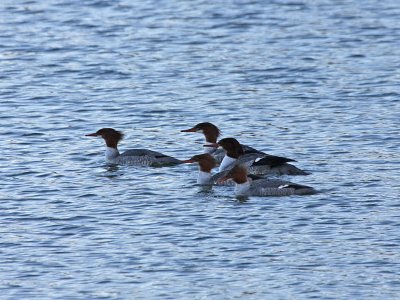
(211,134)
(263,187)
(206,164)
(137,157)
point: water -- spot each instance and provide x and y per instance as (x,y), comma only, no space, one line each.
(317,81)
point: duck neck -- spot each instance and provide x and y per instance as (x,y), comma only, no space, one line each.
(111,153)
(210,135)
(111,142)
(226,163)
(235,152)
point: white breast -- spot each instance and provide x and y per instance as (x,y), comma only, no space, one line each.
(111,153)
(204,178)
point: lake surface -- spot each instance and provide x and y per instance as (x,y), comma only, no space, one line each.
(316,81)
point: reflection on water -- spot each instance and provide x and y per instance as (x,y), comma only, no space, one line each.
(205,189)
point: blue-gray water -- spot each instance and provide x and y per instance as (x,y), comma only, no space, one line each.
(317,81)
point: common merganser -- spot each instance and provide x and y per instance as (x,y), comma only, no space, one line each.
(264,187)
(137,157)
(206,163)
(211,134)
(257,163)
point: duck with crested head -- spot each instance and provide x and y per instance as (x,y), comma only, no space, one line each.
(256,162)
(206,163)
(137,157)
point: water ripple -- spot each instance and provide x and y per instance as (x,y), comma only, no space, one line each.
(315,81)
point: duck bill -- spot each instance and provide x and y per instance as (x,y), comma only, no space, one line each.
(190,130)
(188,161)
(91,134)
(212,145)
(222,179)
